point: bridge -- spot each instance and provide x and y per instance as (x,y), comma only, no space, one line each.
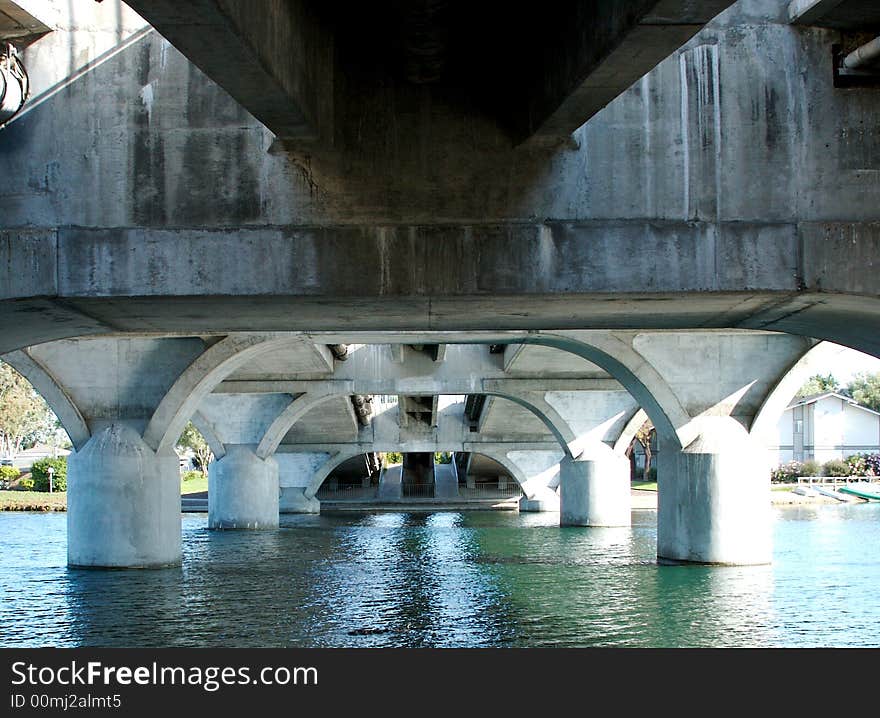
(535,233)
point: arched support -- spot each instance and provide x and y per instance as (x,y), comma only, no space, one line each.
(534,472)
(714,498)
(536,403)
(629,431)
(53,392)
(123,502)
(284,422)
(207,430)
(637,376)
(199,379)
(243,491)
(787,388)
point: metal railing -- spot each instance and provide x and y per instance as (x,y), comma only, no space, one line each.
(347,492)
(490,491)
(835,480)
(418,491)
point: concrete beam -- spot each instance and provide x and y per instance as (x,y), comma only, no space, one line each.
(274,58)
(599,50)
(807,12)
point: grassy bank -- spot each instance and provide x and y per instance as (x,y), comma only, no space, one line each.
(33,501)
(194,486)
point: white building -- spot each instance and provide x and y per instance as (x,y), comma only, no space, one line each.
(824,427)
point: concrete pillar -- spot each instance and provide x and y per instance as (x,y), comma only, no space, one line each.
(243,491)
(594,489)
(123,503)
(714,499)
(539,499)
(295,501)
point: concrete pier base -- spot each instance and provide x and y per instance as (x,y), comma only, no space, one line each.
(542,500)
(714,501)
(243,491)
(294,501)
(123,503)
(595,490)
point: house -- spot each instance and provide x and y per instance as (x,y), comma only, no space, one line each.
(25,459)
(826,426)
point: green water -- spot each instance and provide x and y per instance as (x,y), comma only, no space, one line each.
(448,579)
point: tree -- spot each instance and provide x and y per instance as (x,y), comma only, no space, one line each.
(644,436)
(865,389)
(819,384)
(191,438)
(25,418)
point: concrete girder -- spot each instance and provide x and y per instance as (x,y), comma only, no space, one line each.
(53,392)
(636,422)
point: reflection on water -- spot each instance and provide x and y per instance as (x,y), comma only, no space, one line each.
(447,579)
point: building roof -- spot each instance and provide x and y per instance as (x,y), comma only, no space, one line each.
(813,398)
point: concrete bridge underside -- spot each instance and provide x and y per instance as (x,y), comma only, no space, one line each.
(659,209)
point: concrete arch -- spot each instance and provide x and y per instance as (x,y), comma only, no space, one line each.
(53,392)
(636,375)
(199,379)
(787,387)
(502,458)
(326,469)
(542,409)
(630,430)
(207,430)
(284,422)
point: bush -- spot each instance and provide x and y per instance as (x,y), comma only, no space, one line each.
(864,464)
(9,473)
(836,468)
(788,473)
(40,474)
(393,457)
(191,475)
(26,484)
(652,474)
(811,467)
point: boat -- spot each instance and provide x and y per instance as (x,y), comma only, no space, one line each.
(804,491)
(831,493)
(861,492)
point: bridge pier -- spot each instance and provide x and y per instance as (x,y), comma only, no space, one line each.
(243,491)
(123,502)
(594,489)
(713,500)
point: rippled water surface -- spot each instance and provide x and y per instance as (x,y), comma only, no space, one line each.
(447,579)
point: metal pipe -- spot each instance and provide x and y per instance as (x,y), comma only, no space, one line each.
(863,55)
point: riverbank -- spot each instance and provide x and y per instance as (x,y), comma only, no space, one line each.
(642,498)
(33,501)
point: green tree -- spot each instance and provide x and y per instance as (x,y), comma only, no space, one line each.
(645,437)
(25,418)
(818,384)
(191,438)
(865,389)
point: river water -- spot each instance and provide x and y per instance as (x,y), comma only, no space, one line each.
(448,579)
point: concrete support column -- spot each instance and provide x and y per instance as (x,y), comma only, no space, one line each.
(714,499)
(295,501)
(123,503)
(539,499)
(594,489)
(243,491)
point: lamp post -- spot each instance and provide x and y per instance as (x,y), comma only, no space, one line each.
(51,472)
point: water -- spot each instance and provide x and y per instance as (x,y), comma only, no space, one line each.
(447,579)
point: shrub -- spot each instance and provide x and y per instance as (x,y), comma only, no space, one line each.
(9,473)
(788,473)
(40,474)
(811,467)
(835,468)
(191,475)
(864,464)
(26,484)
(652,474)
(393,457)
